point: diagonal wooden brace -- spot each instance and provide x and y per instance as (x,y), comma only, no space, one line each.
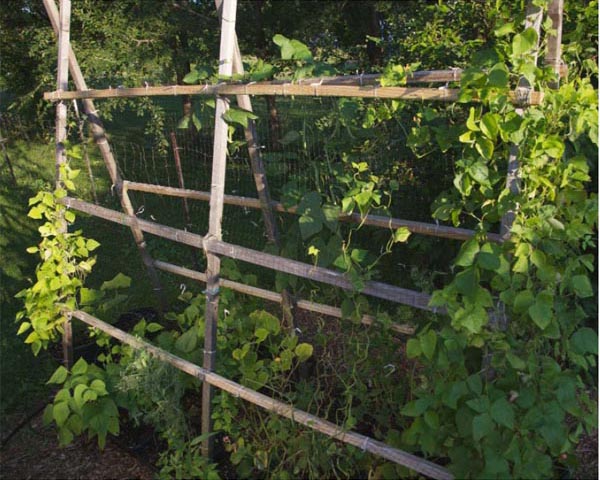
(99,135)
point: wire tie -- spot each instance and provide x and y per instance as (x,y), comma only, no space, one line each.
(315,86)
(365,443)
(360,78)
(455,73)
(211,293)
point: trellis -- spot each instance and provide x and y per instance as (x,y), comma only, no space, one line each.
(365,86)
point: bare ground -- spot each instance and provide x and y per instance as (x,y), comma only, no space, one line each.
(33,453)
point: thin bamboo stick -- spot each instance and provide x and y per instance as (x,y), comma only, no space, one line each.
(372,220)
(274,296)
(217,190)
(336,432)
(293,267)
(62,82)
(186,207)
(111,165)
(286,89)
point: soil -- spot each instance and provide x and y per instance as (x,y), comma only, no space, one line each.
(33,453)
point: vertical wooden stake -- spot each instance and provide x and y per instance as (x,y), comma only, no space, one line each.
(260,180)
(186,207)
(555,12)
(217,191)
(62,81)
(107,155)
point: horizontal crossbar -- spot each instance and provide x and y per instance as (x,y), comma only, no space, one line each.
(274,296)
(332,430)
(375,289)
(316,89)
(372,220)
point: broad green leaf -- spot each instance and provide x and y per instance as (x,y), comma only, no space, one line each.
(416,407)
(80,367)
(467,281)
(475,384)
(237,115)
(485,147)
(541,311)
(427,342)
(489,126)
(503,413)
(78,394)
(524,42)
(488,261)
(413,348)
(91,244)
(120,281)
(309,226)
(523,301)
(584,340)
(266,320)
(60,412)
(515,361)
(154,327)
(188,341)
(480,173)
(467,253)
(59,376)
(401,234)
(331,214)
(65,436)
(261,334)
(99,387)
(505,29)
(432,419)
(303,351)
(483,425)
(582,286)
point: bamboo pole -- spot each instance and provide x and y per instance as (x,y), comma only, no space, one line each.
(328,310)
(217,190)
(372,220)
(286,89)
(111,165)
(553,54)
(367,444)
(62,82)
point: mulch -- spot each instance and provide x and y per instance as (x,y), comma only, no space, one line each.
(33,453)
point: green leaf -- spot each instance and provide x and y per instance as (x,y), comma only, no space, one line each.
(188,341)
(154,327)
(413,348)
(401,234)
(467,253)
(467,282)
(581,286)
(488,261)
(524,42)
(261,334)
(60,413)
(505,29)
(119,281)
(309,226)
(503,413)
(99,387)
(485,147)
(78,394)
(480,173)
(483,425)
(65,436)
(91,244)
(264,319)
(80,367)
(239,116)
(303,351)
(584,340)
(489,126)
(541,311)
(331,214)
(59,376)
(23,328)
(427,342)
(416,407)
(515,361)
(523,300)
(471,125)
